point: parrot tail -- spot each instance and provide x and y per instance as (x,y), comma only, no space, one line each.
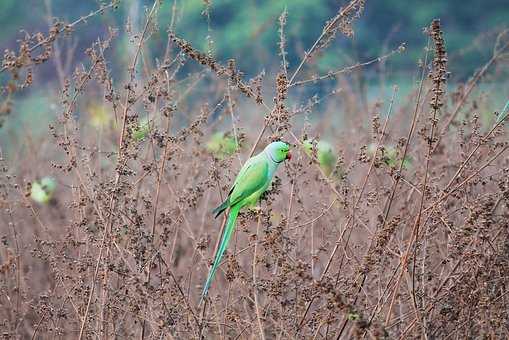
(217,211)
(227,234)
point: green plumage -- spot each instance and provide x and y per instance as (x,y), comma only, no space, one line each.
(228,231)
(253,179)
(222,145)
(324,153)
(42,191)
(390,156)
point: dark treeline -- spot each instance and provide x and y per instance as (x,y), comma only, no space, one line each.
(245,30)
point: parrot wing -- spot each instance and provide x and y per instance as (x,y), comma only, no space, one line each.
(250,179)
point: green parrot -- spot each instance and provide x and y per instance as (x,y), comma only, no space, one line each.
(42,191)
(251,182)
(324,153)
(391,156)
(222,145)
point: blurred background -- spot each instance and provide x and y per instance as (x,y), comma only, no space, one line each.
(247,31)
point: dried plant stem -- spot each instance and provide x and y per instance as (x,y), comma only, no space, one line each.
(188,305)
(403,239)
(232,116)
(439,77)
(96,271)
(439,289)
(282,41)
(356,203)
(379,305)
(68,27)
(260,134)
(417,221)
(255,289)
(316,218)
(412,324)
(465,181)
(18,267)
(463,324)
(160,176)
(113,199)
(472,83)
(307,54)
(349,69)
(481,142)
(105,232)
(38,325)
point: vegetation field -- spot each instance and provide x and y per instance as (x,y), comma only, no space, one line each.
(123,125)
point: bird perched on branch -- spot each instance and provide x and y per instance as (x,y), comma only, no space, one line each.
(325,155)
(222,145)
(251,182)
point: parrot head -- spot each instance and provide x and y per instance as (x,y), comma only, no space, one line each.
(278,151)
(324,153)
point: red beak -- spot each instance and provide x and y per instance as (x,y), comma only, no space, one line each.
(288,155)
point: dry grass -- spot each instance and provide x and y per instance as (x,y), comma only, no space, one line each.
(377,250)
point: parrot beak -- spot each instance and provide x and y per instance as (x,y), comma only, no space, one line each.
(288,155)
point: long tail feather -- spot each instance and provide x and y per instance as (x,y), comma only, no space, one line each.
(228,231)
(217,211)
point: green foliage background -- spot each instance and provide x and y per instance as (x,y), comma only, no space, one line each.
(247,30)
